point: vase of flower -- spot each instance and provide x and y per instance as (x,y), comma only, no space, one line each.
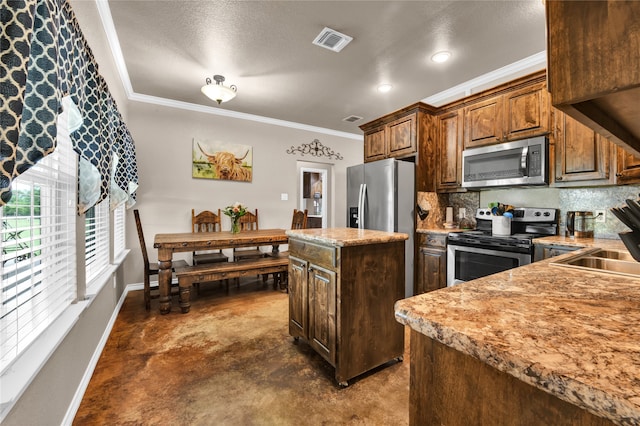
(235,212)
(235,225)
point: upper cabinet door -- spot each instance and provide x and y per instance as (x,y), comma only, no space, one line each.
(581,154)
(374,145)
(484,122)
(401,135)
(527,112)
(628,168)
(449,153)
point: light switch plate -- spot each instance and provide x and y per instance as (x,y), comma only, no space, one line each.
(284,196)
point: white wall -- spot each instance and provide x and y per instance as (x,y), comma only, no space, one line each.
(167,192)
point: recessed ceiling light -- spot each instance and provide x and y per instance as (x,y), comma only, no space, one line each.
(384,88)
(441,56)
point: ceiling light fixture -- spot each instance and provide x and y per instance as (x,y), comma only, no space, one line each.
(441,56)
(219,92)
(384,88)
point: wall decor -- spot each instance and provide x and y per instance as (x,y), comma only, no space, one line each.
(316,149)
(222,161)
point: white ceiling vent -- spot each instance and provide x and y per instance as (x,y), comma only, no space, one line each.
(352,119)
(332,40)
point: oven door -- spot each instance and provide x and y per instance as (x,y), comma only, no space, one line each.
(469,263)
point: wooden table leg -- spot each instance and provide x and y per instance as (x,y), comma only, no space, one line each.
(164,280)
(185,299)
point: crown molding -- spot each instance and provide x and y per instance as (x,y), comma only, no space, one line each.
(532,63)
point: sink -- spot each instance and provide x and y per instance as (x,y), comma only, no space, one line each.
(604,261)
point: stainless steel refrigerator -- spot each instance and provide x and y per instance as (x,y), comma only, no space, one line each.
(381,196)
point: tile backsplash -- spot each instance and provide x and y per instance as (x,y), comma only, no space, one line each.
(564,199)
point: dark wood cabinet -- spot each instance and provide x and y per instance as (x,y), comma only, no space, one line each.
(407,134)
(594,66)
(375,145)
(514,112)
(449,152)
(627,167)
(402,136)
(483,122)
(341,301)
(431,263)
(582,157)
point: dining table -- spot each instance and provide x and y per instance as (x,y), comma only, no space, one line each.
(167,244)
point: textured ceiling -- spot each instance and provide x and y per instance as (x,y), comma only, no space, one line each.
(265,49)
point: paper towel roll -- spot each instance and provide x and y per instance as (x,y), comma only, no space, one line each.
(449,215)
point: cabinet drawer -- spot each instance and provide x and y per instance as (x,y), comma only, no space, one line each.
(434,240)
(314,253)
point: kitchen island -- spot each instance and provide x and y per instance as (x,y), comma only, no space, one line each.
(343,284)
(538,344)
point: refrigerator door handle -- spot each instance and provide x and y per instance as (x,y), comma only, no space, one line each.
(361,198)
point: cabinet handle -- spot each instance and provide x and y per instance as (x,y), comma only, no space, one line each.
(558,177)
(619,175)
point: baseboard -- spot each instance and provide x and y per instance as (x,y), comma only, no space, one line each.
(84,383)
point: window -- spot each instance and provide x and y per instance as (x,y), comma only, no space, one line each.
(38,263)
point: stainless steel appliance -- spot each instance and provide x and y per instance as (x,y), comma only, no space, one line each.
(522,162)
(579,224)
(475,254)
(381,196)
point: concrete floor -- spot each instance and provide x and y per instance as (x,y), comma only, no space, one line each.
(230,361)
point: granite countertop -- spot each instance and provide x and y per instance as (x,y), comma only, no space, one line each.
(573,334)
(343,237)
(608,244)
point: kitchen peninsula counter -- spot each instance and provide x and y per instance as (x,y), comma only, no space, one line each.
(540,343)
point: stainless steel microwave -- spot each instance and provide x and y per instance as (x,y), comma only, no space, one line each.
(522,162)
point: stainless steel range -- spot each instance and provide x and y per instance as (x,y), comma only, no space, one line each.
(475,254)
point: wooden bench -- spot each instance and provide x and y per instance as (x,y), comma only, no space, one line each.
(187,276)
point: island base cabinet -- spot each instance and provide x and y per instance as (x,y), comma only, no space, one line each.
(341,302)
(448,387)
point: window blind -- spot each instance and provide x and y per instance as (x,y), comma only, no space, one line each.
(96,239)
(38,264)
(119,235)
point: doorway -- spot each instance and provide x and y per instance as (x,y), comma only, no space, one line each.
(314,192)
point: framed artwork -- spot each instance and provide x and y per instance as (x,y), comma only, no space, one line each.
(222,161)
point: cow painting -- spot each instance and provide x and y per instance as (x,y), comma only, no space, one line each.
(223,165)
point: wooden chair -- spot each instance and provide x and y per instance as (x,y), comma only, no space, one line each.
(151,268)
(248,222)
(298,221)
(207,221)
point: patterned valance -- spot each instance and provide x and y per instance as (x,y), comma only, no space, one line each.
(47,59)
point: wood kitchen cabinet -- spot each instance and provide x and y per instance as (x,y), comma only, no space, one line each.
(594,66)
(627,167)
(395,138)
(449,152)
(341,300)
(518,110)
(431,263)
(407,134)
(582,156)
(375,145)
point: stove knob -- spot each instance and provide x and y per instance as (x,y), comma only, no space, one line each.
(536,214)
(547,214)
